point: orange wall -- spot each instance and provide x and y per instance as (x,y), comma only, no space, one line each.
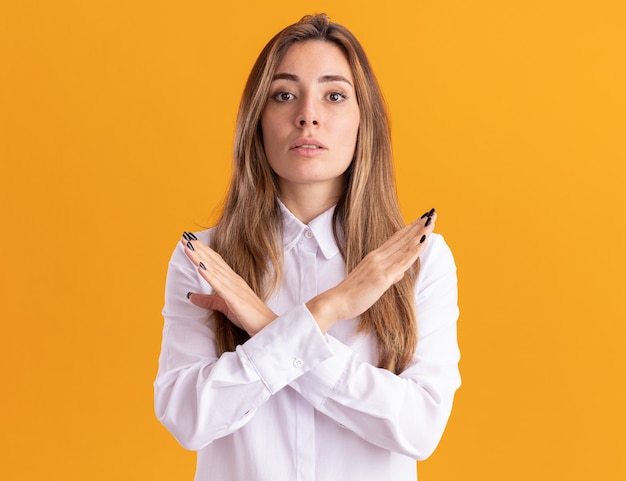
(116,123)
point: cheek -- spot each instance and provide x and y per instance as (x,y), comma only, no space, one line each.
(267,132)
(273,125)
(350,129)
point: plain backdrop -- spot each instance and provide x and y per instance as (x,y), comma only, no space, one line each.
(116,125)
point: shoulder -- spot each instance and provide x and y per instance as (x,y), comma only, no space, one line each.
(436,291)
(437,255)
(183,276)
(437,271)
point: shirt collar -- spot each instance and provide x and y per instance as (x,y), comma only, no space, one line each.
(321,227)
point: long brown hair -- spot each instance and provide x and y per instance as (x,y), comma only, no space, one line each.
(249,233)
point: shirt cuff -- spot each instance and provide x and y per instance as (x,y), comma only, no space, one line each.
(317,384)
(286,348)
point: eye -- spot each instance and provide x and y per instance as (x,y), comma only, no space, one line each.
(336,97)
(283,96)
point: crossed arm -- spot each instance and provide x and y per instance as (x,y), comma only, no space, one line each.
(201,396)
(378,271)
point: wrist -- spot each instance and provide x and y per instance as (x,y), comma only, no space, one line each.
(265,318)
(322,309)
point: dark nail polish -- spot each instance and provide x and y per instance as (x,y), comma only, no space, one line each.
(186,236)
(193,237)
(432,211)
(190,246)
(423,239)
(189,295)
(428,221)
(426,214)
(202,266)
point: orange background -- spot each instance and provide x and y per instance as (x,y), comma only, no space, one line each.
(116,123)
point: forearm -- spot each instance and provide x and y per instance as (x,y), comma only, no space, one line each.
(204,401)
(373,276)
(405,413)
(201,394)
(323,310)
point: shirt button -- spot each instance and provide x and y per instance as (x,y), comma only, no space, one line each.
(308,234)
(297,362)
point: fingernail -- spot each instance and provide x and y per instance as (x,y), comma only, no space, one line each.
(423,239)
(431,212)
(190,246)
(428,221)
(189,295)
(186,236)
(193,237)
(202,266)
(426,214)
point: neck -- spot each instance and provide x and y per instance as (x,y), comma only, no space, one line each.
(307,201)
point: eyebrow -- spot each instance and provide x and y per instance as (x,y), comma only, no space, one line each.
(322,79)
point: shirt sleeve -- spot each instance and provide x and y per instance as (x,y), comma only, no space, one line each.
(405,413)
(201,396)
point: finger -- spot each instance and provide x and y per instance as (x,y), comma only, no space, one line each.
(417,229)
(397,241)
(404,257)
(189,236)
(211,264)
(192,246)
(208,301)
(413,246)
(209,267)
(430,219)
(428,213)
(200,300)
(191,242)
(227,284)
(202,255)
(406,243)
(215,303)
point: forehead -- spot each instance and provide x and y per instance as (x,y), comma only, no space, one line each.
(315,57)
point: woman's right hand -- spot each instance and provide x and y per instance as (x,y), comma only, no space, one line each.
(376,273)
(233,297)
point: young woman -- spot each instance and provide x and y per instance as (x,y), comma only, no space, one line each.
(310,335)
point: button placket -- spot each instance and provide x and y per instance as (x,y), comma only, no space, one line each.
(305,413)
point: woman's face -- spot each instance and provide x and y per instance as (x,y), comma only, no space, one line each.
(311,118)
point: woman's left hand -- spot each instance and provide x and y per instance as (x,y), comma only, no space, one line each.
(376,273)
(233,296)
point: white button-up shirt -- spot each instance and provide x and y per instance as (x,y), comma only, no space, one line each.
(293,404)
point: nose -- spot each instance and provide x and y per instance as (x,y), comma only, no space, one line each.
(308,115)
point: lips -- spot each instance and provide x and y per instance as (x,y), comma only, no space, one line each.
(307,143)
